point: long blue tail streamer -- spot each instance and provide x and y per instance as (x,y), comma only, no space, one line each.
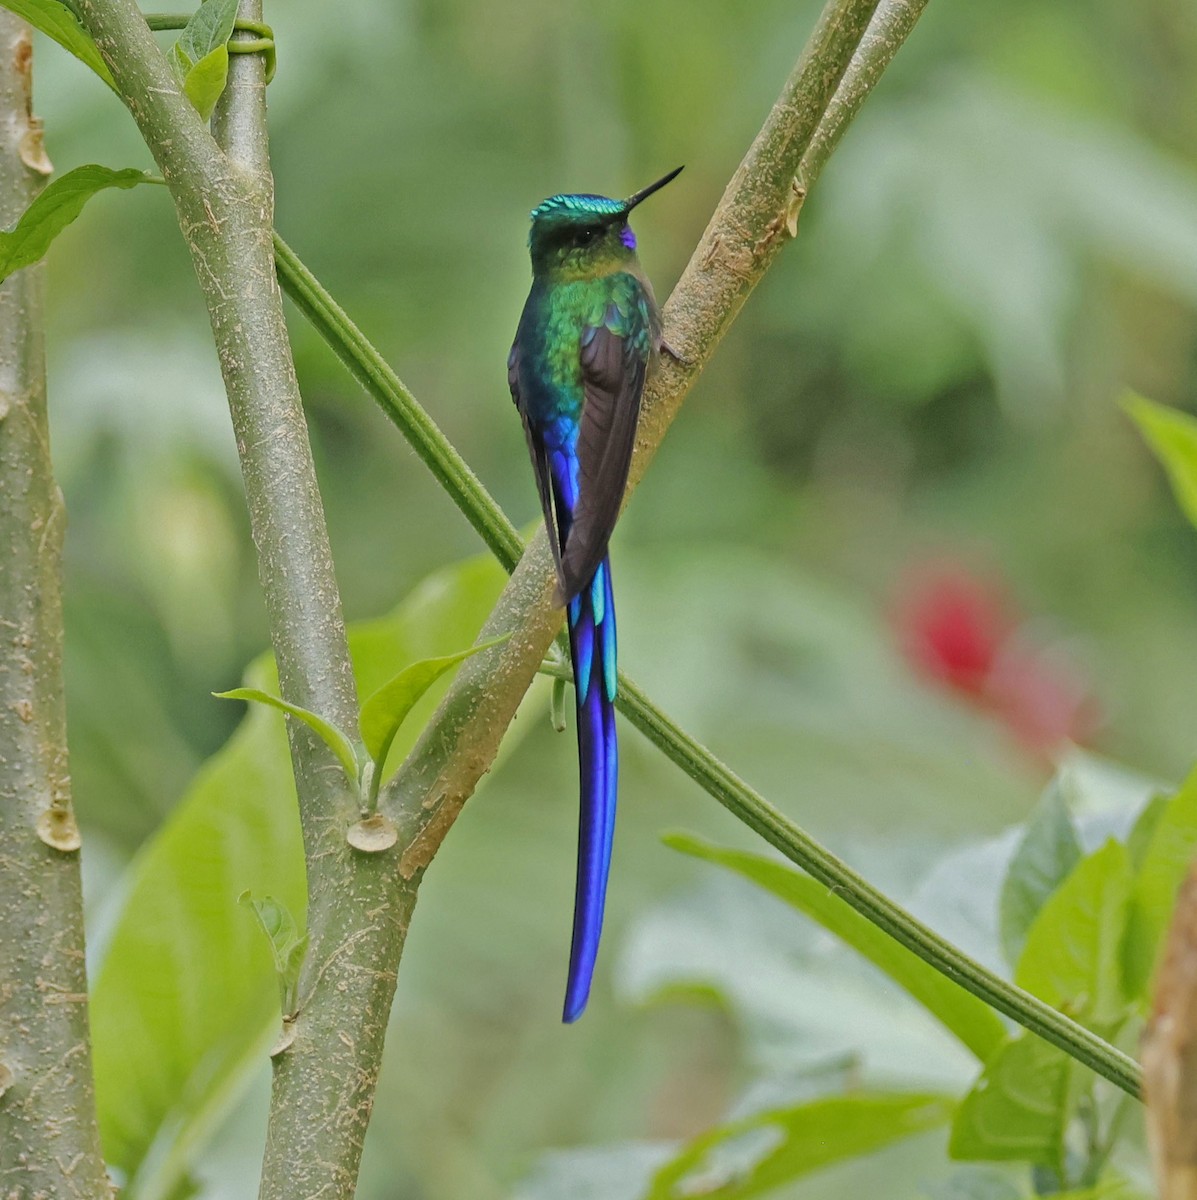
(592,644)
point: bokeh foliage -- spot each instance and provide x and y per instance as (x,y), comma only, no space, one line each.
(1005,240)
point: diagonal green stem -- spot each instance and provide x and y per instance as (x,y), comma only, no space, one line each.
(799,847)
(372,371)
(423,777)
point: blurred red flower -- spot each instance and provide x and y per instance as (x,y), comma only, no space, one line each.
(951,626)
(963,632)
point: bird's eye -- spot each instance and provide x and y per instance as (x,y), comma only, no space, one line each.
(585,236)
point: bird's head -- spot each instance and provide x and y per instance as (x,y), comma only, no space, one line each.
(575,235)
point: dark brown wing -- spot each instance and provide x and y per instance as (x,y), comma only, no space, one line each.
(540,460)
(613,369)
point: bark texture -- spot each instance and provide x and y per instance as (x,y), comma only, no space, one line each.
(49,1142)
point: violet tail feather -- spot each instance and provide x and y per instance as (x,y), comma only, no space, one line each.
(592,644)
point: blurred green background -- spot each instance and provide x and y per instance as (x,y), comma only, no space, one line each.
(924,391)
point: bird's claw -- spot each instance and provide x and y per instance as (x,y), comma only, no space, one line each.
(677,357)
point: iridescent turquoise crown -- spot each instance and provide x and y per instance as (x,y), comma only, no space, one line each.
(578,204)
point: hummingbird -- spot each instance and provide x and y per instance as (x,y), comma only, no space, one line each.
(588,333)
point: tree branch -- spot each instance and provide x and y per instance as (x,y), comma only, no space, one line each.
(358,912)
(755,217)
(49,1140)
(1170,1054)
(890,27)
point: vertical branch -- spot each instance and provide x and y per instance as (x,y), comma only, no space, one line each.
(224,205)
(358,910)
(1170,1054)
(49,1141)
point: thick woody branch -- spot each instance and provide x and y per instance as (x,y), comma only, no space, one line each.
(1170,1054)
(358,913)
(49,1142)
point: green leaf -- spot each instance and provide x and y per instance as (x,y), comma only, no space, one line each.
(201,55)
(204,82)
(210,26)
(1072,953)
(58,22)
(387,708)
(1172,435)
(1170,848)
(185,1002)
(1024,1101)
(332,737)
(1143,830)
(1048,851)
(287,943)
(1020,1107)
(969,1019)
(56,206)
(756,1154)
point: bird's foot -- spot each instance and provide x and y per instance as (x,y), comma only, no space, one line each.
(677,357)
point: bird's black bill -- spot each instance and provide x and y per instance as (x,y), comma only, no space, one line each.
(631,202)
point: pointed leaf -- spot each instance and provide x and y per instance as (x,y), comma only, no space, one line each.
(210,26)
(287,943)
(201,55)
(1072,953)
(205,81)
(1020,1107)
(752,1156)
(56,206)
(1172,435)
(332,737)
(180,61)
(387,708)
(277,924)
(1170,848)
(1047,853)
(57,21)
(962,1014)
